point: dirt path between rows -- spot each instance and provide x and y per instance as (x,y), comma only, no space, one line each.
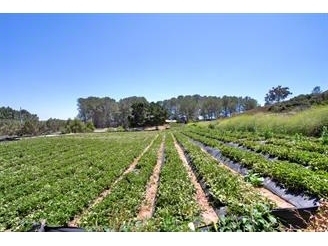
(281,203)
(105,193)
(207,211)
(147,208)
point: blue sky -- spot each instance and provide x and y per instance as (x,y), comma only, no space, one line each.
(48,61)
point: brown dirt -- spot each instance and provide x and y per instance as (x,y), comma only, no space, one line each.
(319,222)
(147,208)
(281,203)
(208,213)
(153,128)
(105,193)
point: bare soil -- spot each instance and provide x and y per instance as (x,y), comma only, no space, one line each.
(208,213)
(319,222)
(161,128)
(281,203)
(105,193)
(147,208)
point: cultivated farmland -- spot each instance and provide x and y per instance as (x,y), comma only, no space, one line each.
(157,181)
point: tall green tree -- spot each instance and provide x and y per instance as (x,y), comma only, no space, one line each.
(156,114)
(138,115)
(249,103)
(316,90)
(277,94)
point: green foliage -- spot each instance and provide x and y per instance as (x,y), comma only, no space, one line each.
(308,122)
(89,127)
(56,178)
(301,102)
(268,134)
(116,129)
(121,206)
(316,90)
(255,179)
(7,113)
(77,126)
(277,94)
(138,115)
(175,204)
(144,114)
(324,135)
(259,220)
(211,126)
(298,137)
(18,122)
(292,175)
(224,186)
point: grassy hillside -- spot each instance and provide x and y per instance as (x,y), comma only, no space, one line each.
(309,122)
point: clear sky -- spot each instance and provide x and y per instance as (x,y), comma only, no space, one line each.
(48,61)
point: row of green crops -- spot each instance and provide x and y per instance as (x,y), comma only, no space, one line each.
(316,161)
(297,141)
(240,197)
(292,175)
(59,182)
(176,205)
(120,208)
(58,178)
(302,144)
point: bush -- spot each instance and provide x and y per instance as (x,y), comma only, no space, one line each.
(90,127)
(77,126)
(268,134)
(211,126)
(324,135)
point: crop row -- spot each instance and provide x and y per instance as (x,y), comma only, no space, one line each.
(34,171)
(297,141)
(291,175)
(19,153)
(230,189)
(57,196)
(119,209)
(300,144)
(315,161)
(175,205)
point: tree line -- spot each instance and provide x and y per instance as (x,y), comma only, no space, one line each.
(102,112)
(198,107)
(137,111)
(23,123)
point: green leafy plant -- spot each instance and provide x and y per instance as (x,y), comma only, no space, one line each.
(258,220)
(268,134)
(298,137)
(292,175)
(255,179)
(324,135)
(211,126)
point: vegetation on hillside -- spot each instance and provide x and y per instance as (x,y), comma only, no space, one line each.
(95,112)
(301,102)
(308,122)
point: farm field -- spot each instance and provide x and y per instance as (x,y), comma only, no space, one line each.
(154,180)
